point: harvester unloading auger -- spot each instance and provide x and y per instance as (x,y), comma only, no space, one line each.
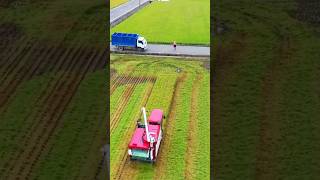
(146,139)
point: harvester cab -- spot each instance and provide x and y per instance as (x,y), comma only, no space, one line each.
(145,142)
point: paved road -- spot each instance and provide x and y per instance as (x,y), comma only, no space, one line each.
(167,50)
(121,12)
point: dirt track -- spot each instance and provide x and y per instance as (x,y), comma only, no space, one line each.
(190,157)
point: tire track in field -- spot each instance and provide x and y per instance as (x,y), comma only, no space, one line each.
(114,84)
(8,49)
(102,163)
(60,108)
(43,99)
(59,85)
(133,82)
(118,81)
(160,170)
(98,56)
(123,168)
(190,156)
(25,72)
(122,104)
(9,33)
(88,67)
(14,60)
(270,119)
(72,92)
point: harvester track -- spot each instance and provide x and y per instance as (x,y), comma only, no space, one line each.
(124,159)
(25,72)
(165,144)
(190,157)
(133,82)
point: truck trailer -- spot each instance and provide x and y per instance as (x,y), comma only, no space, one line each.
(129,41)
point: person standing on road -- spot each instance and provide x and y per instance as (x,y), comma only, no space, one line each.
(174,45)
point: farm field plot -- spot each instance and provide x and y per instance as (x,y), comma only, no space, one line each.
(184,95)
(53,97)
(185,21)
(115,3)
(266,90)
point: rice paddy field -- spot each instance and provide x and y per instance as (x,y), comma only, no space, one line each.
(183,95)
(266,89)
(183,21)
(53,90)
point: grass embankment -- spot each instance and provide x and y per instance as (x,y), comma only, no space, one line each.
(172,92)
(266,91)
(115,3)
(183,21)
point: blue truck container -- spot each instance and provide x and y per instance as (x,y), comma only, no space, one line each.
(126,40)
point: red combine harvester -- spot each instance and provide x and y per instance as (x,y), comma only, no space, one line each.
(146,139)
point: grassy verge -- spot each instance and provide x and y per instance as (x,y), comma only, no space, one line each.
(115,3)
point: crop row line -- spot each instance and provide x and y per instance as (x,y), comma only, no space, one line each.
(42,99)
(59,84)
(125,98)
(129,132)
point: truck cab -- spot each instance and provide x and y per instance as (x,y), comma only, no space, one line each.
(141,42)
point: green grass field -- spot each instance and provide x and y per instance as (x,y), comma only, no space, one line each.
(184,98)
(53,100)
(183,21)
(59,20)
(115,3)
(266,90)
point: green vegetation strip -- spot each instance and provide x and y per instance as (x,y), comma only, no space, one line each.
(183,21)
(162,93)
(18,116)
(115,97)
(125,123)
(160,98)
(72,143)
(175,158)
(202,167)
